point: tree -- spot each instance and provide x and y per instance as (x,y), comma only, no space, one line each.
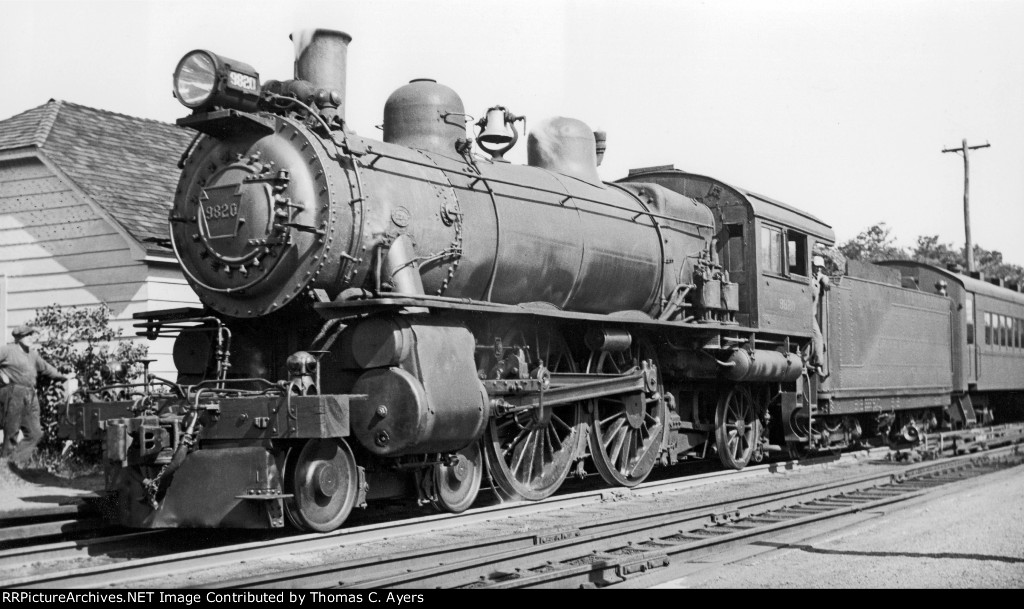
(991,263)
(928,249)
(876,243)
(80,340)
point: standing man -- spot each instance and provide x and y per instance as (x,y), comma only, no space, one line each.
(819,285)
(20,365)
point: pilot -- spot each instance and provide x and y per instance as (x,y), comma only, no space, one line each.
(819,285)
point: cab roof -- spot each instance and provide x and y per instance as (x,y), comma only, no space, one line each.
(703,188)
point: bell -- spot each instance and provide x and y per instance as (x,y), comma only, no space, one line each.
(495,128)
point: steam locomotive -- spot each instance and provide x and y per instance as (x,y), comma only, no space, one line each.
(407,317)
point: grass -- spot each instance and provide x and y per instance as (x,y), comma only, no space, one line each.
(68,466)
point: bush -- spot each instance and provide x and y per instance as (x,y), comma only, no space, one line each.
(79,340)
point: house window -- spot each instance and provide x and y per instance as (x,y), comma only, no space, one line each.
(771,250)
(796,253)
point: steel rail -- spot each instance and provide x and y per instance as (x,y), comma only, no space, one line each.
(617,565)
(41,554)
(35,525)
(35,532)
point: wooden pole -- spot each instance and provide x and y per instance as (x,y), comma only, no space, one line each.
(964,149)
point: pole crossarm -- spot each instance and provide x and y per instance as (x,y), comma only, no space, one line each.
(960,149)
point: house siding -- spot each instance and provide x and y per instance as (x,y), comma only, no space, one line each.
(57,247)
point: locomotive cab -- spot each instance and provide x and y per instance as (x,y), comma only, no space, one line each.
(763,244)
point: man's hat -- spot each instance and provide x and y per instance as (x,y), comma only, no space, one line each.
(21,331)
(817,261)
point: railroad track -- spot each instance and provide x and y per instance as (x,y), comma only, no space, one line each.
(600,550)
(136,558)
(489,563)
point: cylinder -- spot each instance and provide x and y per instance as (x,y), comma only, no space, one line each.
(320,58)
(437,407)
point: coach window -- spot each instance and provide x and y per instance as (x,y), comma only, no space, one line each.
(969,302)
(796,253)
(988,328)
(771,250)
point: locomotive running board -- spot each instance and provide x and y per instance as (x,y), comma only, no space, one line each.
(508,395)
(360,308)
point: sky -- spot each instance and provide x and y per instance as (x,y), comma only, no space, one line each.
(840,108)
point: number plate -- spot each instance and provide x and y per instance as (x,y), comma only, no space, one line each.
(220,211)
(242,81)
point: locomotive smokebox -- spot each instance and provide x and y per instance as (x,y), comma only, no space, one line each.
(320,58)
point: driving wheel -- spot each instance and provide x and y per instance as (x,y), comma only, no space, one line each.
(530,452)
(737,427)
(627,430)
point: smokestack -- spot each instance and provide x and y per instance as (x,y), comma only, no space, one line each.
(320,58)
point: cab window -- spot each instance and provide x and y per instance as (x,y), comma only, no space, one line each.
(796,253)
(771,250)
(733,250)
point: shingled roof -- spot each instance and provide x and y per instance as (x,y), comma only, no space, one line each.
(127,165)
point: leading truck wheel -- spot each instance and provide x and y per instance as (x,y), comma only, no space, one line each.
(737,428)
(323,478)
(457,484)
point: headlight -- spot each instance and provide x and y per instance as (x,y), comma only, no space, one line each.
(204,80)
(195,79)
